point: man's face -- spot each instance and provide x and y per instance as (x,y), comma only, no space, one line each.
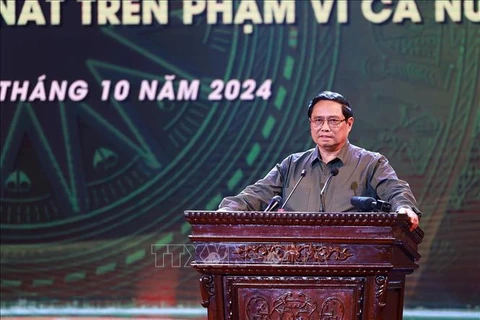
(333,133)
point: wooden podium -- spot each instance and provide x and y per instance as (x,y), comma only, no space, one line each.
(303,265)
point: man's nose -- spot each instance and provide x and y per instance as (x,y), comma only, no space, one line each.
(325,126)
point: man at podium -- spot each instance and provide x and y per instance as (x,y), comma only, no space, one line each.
(334,176)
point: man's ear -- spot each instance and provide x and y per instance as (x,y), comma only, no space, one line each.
(350,122)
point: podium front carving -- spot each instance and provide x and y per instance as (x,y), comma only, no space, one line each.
(278,298)
(293,253)
(302,265)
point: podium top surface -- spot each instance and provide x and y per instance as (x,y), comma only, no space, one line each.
(359,219)
(299,218)
(346,228)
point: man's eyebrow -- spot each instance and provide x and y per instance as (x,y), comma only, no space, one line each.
(327,117)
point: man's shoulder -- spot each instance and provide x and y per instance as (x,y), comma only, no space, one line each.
(359,152)
(299,158)
(302,155)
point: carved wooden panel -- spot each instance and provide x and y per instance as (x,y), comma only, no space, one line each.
(326,266)
(278,298)
(293,253)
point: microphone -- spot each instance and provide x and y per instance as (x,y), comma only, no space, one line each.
(333,173)
(369,204)
(302,175)
(273,204)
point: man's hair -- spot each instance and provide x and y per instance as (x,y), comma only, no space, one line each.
(331,96)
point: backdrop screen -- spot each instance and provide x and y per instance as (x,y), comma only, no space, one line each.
(116,116)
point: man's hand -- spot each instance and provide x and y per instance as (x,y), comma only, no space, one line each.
(412,216)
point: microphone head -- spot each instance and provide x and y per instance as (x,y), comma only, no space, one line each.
(363,203)
(273,204)
(303,173)
(277,199)
(334,172)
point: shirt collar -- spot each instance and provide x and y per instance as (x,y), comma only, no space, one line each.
(342,155)
(314,156)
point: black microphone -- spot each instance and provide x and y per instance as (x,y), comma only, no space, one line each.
(333,173)
(273,204)
(370,204)
(302,175)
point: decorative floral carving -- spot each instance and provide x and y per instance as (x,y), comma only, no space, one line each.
(292,253)
(258,309)
(291,305)
(273,298)
(295,306)
(333,308)
(207,289)
(381,290)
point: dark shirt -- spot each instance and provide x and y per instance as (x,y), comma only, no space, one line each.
(360,173)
